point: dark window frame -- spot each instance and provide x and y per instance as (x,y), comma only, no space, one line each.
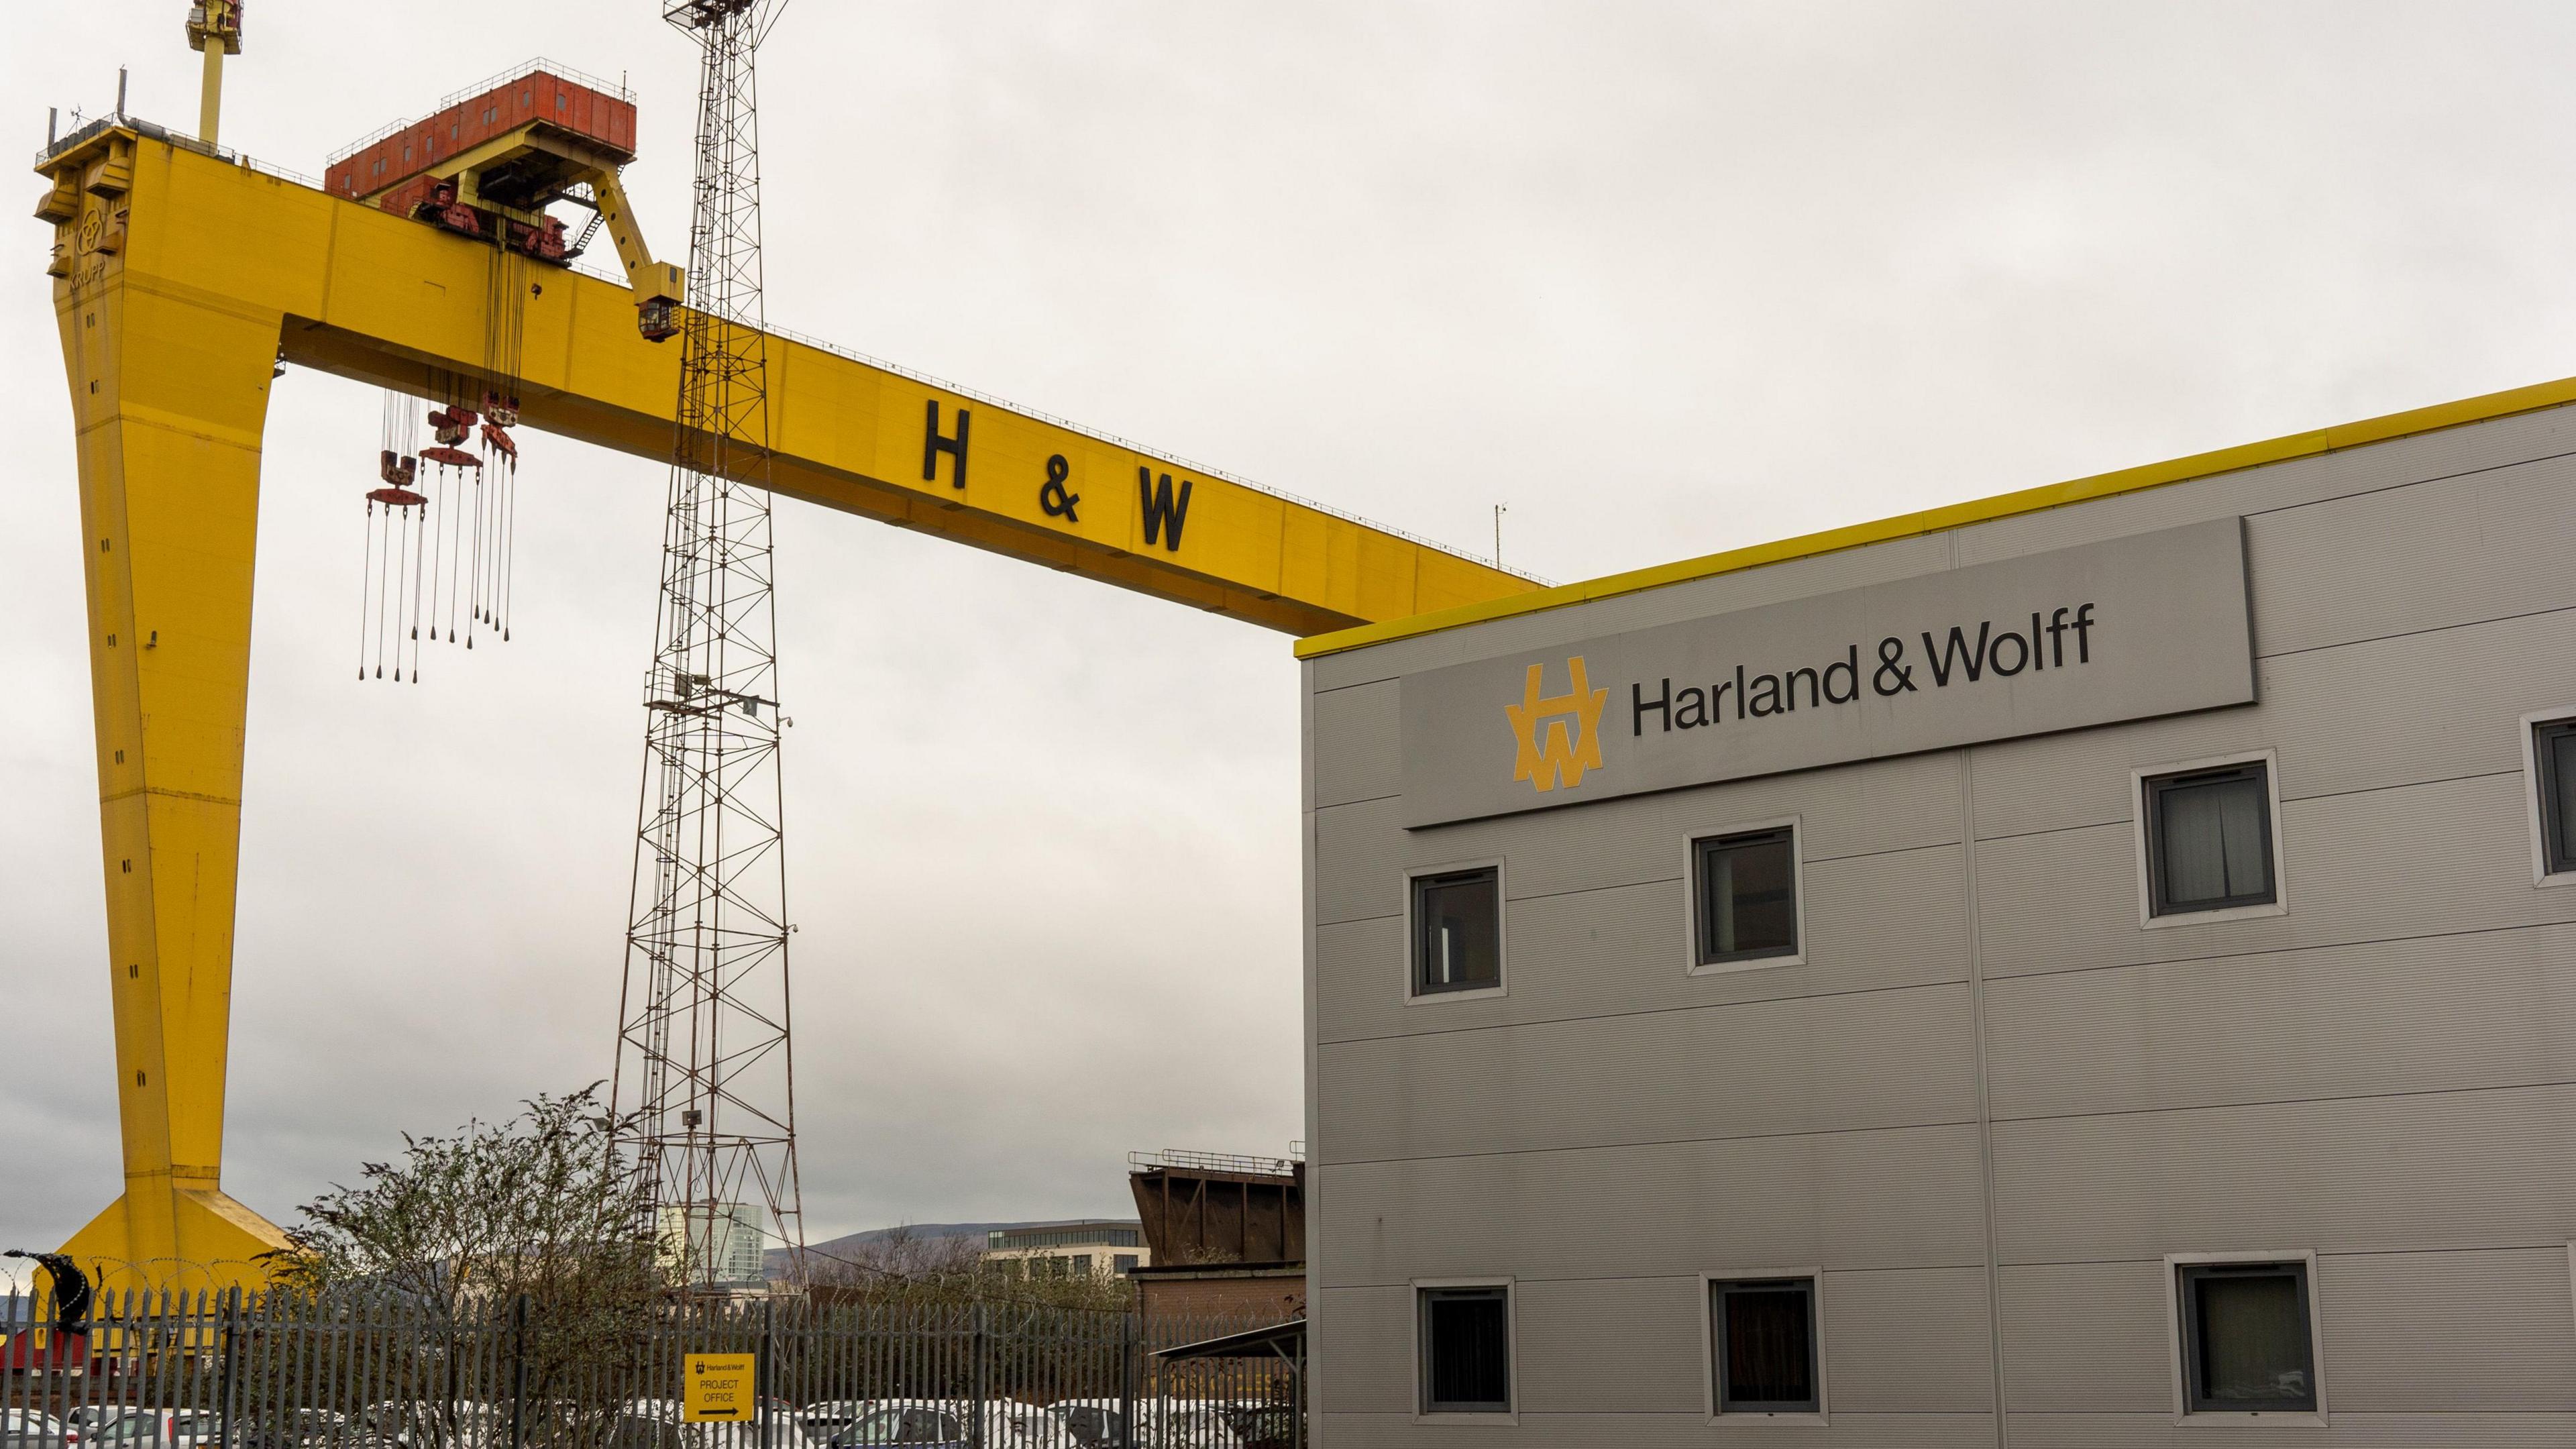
(1426,1294)
(2187,1279)
(1703,904)
(1417,921)
(2557,848)
(1721,1394)
(2152,789)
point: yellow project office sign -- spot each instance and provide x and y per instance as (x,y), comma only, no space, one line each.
(721,1388)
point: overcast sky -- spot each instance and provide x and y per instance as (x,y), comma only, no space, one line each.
(1666,278)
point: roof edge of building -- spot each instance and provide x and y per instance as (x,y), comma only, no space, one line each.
(1184,1272)
(2483,408)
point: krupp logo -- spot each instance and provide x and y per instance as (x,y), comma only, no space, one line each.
(1559,734)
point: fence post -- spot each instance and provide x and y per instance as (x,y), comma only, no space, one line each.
(519,1372)
(1297,1394)
(760,1374)
(225,1386)
(1130,1345)
(982,1372)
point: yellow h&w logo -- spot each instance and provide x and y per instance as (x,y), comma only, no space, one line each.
(1559,734)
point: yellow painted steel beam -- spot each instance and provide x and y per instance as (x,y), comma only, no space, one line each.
(169,394)
(180,278)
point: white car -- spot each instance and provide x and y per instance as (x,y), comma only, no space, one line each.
(161,1429)
(1080,1424)
(33,1429)
(937,1424)
(824,1419)
(1186,1424)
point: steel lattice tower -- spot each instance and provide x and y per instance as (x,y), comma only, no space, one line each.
(703,1050)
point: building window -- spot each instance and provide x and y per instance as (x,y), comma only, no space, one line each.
(1082,1265)
(1466,1350)
(1458,930)
(2553,771)
(1747,890)
(2246,1345)
(1762,1334)
(1126,1264)
(2209,839)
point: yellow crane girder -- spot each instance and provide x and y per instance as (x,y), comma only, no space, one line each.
(181,279)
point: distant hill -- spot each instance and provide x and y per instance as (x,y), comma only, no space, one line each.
(775,1260)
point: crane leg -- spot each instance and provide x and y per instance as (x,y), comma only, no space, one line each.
(170,396)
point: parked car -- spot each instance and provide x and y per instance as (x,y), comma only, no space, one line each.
(830,1416)
(1186,1424)
(161,1429)
(32,1429)
(651,1424)
(1081,1424)
(1263,1426)
(290,1429)
(434,1424)
(937,1424)
(90,1420)
(918,1424)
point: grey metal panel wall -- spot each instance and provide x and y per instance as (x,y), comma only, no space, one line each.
(1895,1198)
(2470,1169)
(2385,1074)
(1908,1340)
(2461,1331)
(2453,453)
(1665,1431)
(1861,810)
(2425,1014)
(2425,706)
(1807,1064)
(2088,1338)
(1876,922)
(2429,556)
(1581,1353)
(2345,1431)
(1356,728)
(1368,1355)
(2477,1330)
(1360,857)
(1903,1341)
(2419,860)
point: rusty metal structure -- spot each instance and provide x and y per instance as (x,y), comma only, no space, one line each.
(1226,1233)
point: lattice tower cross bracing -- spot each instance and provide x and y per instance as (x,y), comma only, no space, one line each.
(705,1053)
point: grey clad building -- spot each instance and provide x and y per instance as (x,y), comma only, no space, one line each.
(2090,967)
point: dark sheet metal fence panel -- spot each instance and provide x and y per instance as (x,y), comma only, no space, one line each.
(278,1371)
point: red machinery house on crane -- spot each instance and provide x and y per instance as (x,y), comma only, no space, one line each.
(488,164)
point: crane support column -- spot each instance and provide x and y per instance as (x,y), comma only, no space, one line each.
(169,391)
(214,27)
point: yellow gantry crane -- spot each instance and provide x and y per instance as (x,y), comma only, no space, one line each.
(183,278)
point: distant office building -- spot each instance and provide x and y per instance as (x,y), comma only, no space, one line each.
(1228,1233)
(2092,966)
(730,1238)
(1082,1248)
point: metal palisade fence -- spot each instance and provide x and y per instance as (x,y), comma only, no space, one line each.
(283,1371)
